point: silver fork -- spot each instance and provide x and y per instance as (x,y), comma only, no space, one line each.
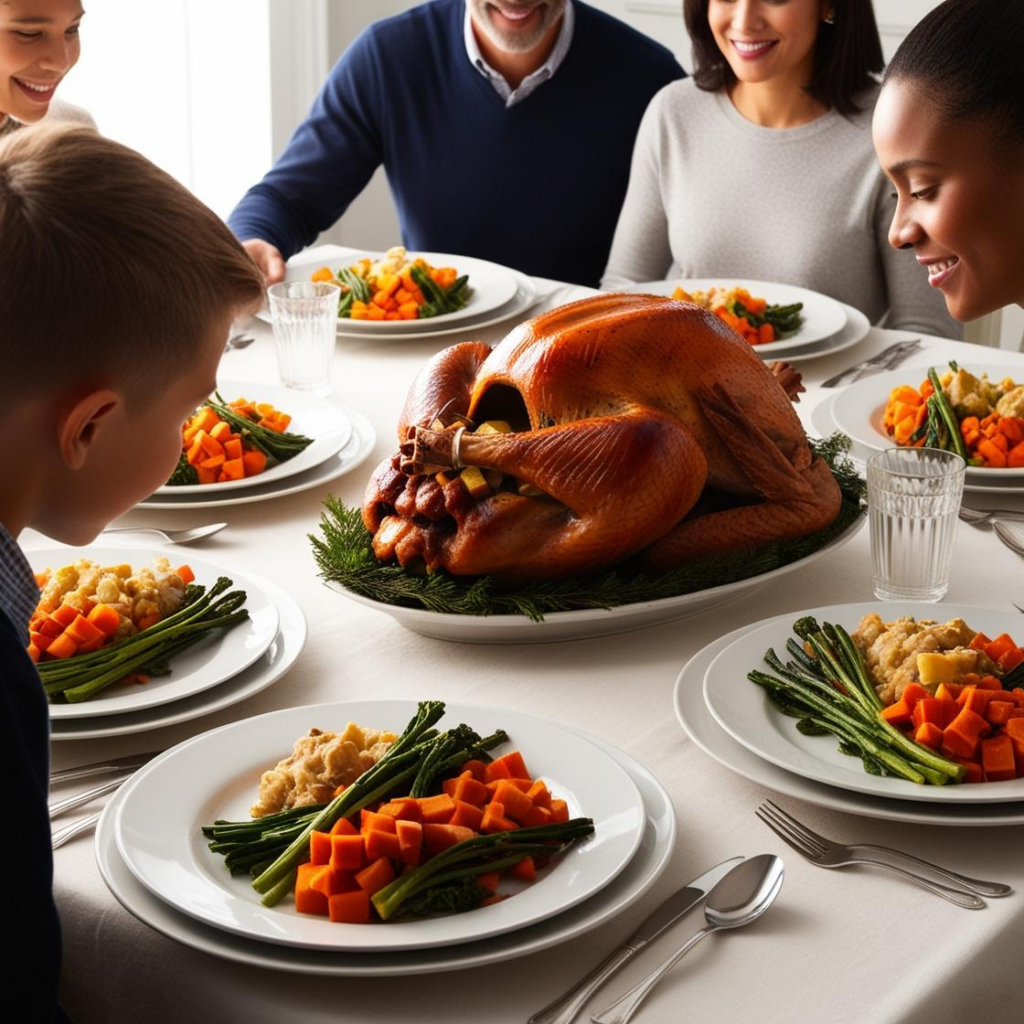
(887,359)
(62,835)
(825,853)
(981,516)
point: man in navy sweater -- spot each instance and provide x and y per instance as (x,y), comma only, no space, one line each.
(506,129)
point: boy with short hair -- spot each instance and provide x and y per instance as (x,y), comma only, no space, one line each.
(117,290)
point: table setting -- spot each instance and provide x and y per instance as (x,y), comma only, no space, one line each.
(711,802)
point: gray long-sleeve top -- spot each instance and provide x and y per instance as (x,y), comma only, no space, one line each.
(713,195)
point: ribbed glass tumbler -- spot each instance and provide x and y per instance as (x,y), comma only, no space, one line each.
(305,317)
(913,499)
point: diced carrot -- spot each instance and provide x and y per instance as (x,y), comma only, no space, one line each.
(350,907)
(516,767)
(374,877)
(517,803)
(928,734)
(437,809)
(974,771)
(254,462)
(990,682)
(233,469)
(344,827)
(405,808)
(50,627)
(897,714)
(439,837)
(494,819)
(538,816)
(307,899)
(233,448)
(1012,428)
(980,642)
(489,880)
(521,784)
(765,334)
(1015,456)
(369,820)
(525,870)
(559,812)
(999,646)
(346,852)
(206,476)
(331,882)
(62,647)
(82,631)
(932,709)
(320,847)
(221,431)
(539,793)
(997,759)
(213,462)
(40,641)
(961,736)
(410,840)
(470,790)
(65,615)
(999,712)
(994,456)
(378,843)
(478,769)
(186,573)
(1011,659)
(467,815)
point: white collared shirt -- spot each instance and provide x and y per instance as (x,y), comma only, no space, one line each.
(532,81)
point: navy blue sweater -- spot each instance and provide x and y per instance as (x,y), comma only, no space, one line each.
(537,186)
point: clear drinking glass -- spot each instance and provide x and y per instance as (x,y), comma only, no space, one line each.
(305,315)
(913,499)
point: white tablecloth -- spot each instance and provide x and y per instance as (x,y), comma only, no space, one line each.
(844,946)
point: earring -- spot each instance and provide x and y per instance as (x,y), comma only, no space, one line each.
(830,18)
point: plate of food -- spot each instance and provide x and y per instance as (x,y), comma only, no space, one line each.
(773,317)
(117,631)
(560,503)
(351,455)
(619,895)
(976,411)
(400,292)
(580,821)
(924,710)
(247,434)
(700,726)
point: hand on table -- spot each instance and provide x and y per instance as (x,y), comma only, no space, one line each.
(268,258)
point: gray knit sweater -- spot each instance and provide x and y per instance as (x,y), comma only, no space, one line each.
(713,195)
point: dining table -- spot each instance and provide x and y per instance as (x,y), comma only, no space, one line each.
(856,945)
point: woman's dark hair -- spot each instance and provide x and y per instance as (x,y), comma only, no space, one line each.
(846,53)
(969,52)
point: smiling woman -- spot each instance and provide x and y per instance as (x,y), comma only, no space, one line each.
(39,44)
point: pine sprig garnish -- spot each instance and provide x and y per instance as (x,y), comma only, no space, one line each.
(344,555)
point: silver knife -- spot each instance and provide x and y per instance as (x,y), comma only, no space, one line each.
(112,764)
(883,359)
(564,1009)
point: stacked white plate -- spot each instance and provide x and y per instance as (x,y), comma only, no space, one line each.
(497,294)
(156,862)
(732,719)
(858,410)
(218,671)
(829,326)
(342,439)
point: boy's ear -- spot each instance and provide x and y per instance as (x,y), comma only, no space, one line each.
(79,427)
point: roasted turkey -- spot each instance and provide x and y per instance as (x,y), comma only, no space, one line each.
(623,409)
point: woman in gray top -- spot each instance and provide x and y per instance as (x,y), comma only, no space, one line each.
(761,165)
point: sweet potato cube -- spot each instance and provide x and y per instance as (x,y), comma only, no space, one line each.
(997,758)
(439,837)
(517,803)
(410,840)
(62,647)
(961,736)
(928,734)
(478,768)
(329,881)
(540,794)
(999,712)
(83,632)
(470,790)
(50,627)
(346,852)
(516,767)
(494,819)
(350,907)
(559,812)
(307,899)
(65,615)
(538,816)
(378,843)
(375,876)
(254,463)
(467,815)
(406,808)
(369,820)
(319,848)
(437,809)
(525,870)
(344,827)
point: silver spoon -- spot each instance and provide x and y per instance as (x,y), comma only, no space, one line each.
(739,898)
(173,536)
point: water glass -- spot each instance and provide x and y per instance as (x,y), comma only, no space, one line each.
(913,499)
(305,315)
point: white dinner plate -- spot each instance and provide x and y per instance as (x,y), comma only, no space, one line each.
(823,316)
(584,623)
(823,423)
(216,776)
(491,284)
(619,895)
(859,411)
(855,330)
(205,665)
(271,666)
(353,454)
(312,416)
(743,709)
(700,725)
